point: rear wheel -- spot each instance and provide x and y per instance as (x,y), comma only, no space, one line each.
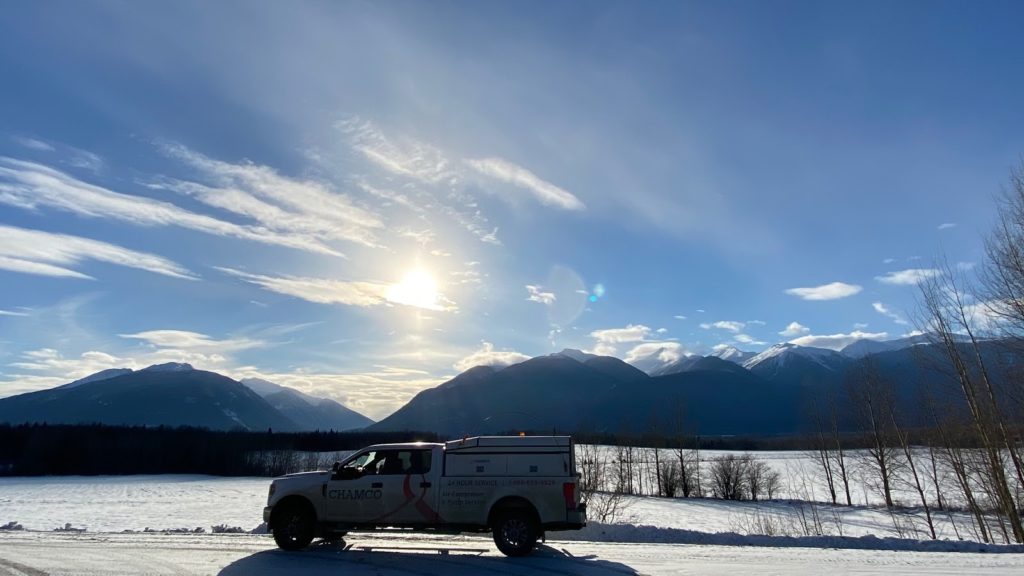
(294,526)
(515,533)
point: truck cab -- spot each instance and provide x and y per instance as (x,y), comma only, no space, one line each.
(518,487)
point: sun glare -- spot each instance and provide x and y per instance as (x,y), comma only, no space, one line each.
(417,288)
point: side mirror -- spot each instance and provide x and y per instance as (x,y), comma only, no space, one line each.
(348,474)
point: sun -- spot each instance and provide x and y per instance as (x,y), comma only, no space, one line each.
(417,288)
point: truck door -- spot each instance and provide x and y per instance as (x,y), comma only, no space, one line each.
(354,493)
(413,499)
(406,488)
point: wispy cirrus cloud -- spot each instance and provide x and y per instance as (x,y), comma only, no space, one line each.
(33,144)
(13,313)
(187,340)
(887,312)
(908,277)
(318,290)
(31,186)
(429,182)
(831,291)
(401,155)
(346,292)
(48,254)
(947,225)
(545,192)
(300,207)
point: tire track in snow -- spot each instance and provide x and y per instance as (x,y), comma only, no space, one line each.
(19,569)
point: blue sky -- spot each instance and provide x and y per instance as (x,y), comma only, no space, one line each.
(362,199)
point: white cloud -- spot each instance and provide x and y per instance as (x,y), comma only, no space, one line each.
(47,367)
(403,156)
(794,329)
(747,339)
(679,317)
(375,392)
(350,293)
(631,333)
(860,325)
(757,322)
(12,313)
(31,186)
(832,291)
(908,277)
(730,325)
(538,295)
(545,192)
(34,144)
(652,354)
(432,183)
(488,356)
(186,340)
(838,341)
(947,225)
(885,311)
(319,290)
(662,330)
(47,254)
(303,208)
(986,316)
(888,261)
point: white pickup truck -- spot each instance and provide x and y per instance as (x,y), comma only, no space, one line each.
(517,487)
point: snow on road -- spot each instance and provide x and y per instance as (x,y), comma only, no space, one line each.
(55,554)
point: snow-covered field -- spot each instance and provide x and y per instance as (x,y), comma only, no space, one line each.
(117,503)
(650,535)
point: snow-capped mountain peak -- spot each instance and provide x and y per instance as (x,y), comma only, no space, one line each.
(577,355)
(169,367)
(732,354)
(780,352)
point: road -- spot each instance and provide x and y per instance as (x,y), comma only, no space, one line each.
(44,553)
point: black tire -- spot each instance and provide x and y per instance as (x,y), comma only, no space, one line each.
(515,532)
(294,526)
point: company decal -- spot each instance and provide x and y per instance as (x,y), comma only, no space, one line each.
(343,494)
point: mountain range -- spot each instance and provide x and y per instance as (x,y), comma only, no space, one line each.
(176,394)
(729,392)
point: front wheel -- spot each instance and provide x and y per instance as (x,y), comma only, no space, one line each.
(515,533)
(294,526)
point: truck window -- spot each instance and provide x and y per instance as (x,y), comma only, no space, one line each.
(419,461)
(360,462)
(400,462)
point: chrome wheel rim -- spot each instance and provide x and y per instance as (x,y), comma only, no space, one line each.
(514,532)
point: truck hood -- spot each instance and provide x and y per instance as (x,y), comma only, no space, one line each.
(300,479)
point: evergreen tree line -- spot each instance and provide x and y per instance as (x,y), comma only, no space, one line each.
(41,449)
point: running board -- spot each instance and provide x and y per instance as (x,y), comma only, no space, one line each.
(441,551)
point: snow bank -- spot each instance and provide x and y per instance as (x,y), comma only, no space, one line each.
(631,533)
